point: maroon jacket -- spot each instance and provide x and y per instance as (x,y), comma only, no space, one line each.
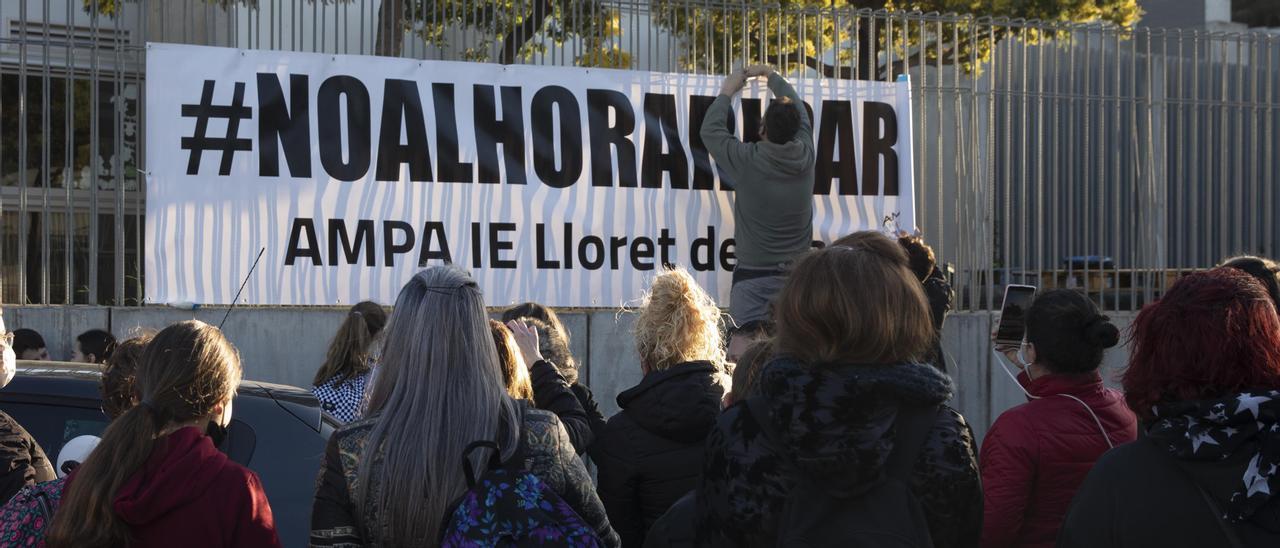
(189,494)
(1037,454)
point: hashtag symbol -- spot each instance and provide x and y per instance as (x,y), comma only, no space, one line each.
(198,142)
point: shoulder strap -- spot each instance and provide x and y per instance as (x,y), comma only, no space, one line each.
(911,429)
(495,456)
(1233,538)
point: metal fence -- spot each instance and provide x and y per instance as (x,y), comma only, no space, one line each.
(1140,153)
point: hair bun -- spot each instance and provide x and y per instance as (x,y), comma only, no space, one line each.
(1101,333)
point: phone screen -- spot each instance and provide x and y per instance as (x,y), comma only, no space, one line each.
(1013,313)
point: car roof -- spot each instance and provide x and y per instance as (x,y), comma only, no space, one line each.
(80,380)
(93,372)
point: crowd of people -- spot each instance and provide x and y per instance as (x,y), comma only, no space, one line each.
(819,416)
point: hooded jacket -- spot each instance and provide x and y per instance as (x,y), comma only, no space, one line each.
(189,490)
(1038,453)
(650,453)
(1200,473)
(837,423)
(773,183)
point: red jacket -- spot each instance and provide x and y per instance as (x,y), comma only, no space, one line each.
(1038,453)
(189,494)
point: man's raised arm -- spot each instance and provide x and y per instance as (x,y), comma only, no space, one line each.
(727,150)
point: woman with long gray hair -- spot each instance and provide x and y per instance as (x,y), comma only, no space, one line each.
(389,479)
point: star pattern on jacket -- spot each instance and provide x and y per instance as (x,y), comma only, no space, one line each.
(1203,431)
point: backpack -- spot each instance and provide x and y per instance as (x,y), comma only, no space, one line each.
(25,519)
(511,506)
(884,515)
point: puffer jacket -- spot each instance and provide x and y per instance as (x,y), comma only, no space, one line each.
(1037,454)
(837,422)
(650,453)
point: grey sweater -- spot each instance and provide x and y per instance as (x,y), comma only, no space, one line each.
(773,208)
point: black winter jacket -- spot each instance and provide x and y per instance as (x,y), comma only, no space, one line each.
(552,393)
(938,291)
(837,421)
(22,462)
(650,453)
(1137,495)
(588,401)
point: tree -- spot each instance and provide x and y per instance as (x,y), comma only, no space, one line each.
(826,35)
(505,31)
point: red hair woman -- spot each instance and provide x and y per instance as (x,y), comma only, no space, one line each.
(1204,380)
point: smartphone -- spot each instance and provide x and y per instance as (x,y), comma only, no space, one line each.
(1013,313)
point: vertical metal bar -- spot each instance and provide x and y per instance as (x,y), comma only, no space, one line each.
(1180,123)
(1255,198)
(1024,226)
(68,168)
(989,177)
(1224,231)
(1000,89)
(1111,223)
(118,164)
(1040,221)
(1240,180)
(940,232)
(1071,184)
(95,129)
(23,216)
(1056,166)
(1269,137)
(45,137)
(1087,179)
(141,149)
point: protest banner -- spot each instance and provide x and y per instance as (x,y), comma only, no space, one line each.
(563,185)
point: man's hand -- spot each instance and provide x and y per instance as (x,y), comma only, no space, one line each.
(755,71)
(527,339)
(733,83)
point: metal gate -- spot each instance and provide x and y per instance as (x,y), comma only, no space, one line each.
(1073,155)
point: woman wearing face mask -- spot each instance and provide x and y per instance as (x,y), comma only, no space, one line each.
(1038,453)
(156,476)
(22,461)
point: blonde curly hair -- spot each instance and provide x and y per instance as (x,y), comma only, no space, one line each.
(678,322)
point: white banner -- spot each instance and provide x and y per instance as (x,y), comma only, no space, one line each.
(567,186)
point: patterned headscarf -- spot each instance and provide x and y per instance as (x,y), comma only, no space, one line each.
(1213,430)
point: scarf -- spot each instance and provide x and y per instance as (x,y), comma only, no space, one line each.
(1213,430)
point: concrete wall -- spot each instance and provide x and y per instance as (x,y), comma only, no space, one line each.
(286,345)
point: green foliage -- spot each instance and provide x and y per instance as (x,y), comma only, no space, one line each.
(834,36)
(512,30)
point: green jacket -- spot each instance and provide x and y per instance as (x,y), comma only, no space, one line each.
(773,206)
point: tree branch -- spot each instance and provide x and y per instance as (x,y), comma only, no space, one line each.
(514,40)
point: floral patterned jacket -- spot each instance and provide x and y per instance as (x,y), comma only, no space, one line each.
(336,521)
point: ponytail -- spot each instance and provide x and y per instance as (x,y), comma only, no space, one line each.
(348,354)
(187,371)
(86,517)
